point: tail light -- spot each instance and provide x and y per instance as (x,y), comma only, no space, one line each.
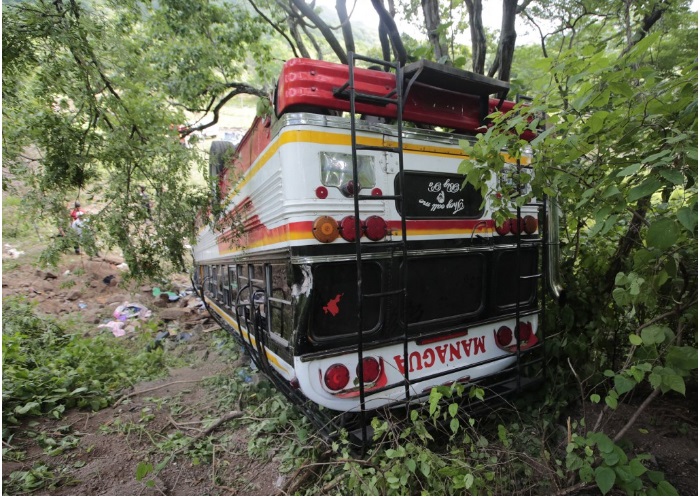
(336,377)
(529,224)
(504,228)
(524,332)
(325,229)
(516,225)
(375,228)
(322,192)
(371,369)
(504,336)
(347,228)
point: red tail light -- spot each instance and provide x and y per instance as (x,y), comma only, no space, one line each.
(530,224)
(516,225)
(347,228)
(375,228)
(504,228)
(321,192)
(504,336)
(371,370)
(524,332)
(336,377)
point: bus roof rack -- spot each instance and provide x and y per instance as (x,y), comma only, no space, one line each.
(453,79)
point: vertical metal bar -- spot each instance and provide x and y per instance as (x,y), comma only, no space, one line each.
(268,293)
(518,286)
(358,244)
(404,266)
(544,232)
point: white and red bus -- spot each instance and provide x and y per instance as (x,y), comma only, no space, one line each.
(366,272)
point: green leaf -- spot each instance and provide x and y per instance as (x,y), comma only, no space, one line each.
(468,481)
(595,398)
(611,402)
(629,170)
(675,382)
(624,384)
(454,425)
(637,468)
(684,358)
(673,176)
(142,469)
(688,218)
(665,488)
(635,339)
(651,185)
(604,478)
(653,334)
(662,234)
(453,409)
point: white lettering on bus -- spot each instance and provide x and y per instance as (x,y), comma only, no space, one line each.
(452,351)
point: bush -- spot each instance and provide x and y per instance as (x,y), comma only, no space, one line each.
(47,369)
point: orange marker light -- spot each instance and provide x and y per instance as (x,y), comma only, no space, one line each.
(325,229)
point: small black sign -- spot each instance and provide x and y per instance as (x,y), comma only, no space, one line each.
(438,196)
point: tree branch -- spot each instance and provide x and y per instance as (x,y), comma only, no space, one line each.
(274,26)
(305,9)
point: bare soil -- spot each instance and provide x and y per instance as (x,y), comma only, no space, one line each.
(113,441)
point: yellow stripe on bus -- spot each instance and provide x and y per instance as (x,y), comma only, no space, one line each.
(271,357)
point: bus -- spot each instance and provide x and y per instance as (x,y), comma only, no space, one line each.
(357,267)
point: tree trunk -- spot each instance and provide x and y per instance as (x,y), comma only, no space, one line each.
(476,29)
(296,36)
(309,13)
(506,44)
(431,17)
(393,33)
(340,7)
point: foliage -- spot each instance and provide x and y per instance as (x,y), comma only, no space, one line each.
(93,97)
(619,155)
(47,370)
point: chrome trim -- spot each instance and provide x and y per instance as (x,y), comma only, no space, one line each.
(553,254)
(336,122)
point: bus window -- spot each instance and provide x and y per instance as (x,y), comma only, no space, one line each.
(233,285)
(223,285)
(445,289)
(281,322)
(505,278)
(333,310)
(214,281)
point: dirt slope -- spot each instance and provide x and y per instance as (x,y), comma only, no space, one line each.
(144,428)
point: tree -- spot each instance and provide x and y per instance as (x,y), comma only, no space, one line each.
(620,156)
(99,95)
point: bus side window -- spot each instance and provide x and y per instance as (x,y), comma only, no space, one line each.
(280,297)
(233,285)
(214,281)
(224,289)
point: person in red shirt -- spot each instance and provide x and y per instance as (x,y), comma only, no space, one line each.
(77,223)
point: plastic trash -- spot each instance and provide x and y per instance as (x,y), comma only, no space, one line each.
(131,310)
(82,305)
(116,327)
(123,266)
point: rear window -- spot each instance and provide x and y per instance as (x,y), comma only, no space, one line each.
(333,311)
(504,289)
(437,196)
(445,288)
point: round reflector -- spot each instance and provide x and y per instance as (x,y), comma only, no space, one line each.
(504,336)
(370,370)
(325,229)
(347,228)
(524,332)
(516,225)
(377,192)
(504,228)
(348,188)
(375,228)
(336,377)
(322,192)
(530,224)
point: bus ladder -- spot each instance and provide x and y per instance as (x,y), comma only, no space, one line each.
(394,97)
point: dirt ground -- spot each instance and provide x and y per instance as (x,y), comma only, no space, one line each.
(113,441)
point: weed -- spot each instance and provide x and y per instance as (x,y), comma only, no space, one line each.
(40,476)
(47,370)
(67,284)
